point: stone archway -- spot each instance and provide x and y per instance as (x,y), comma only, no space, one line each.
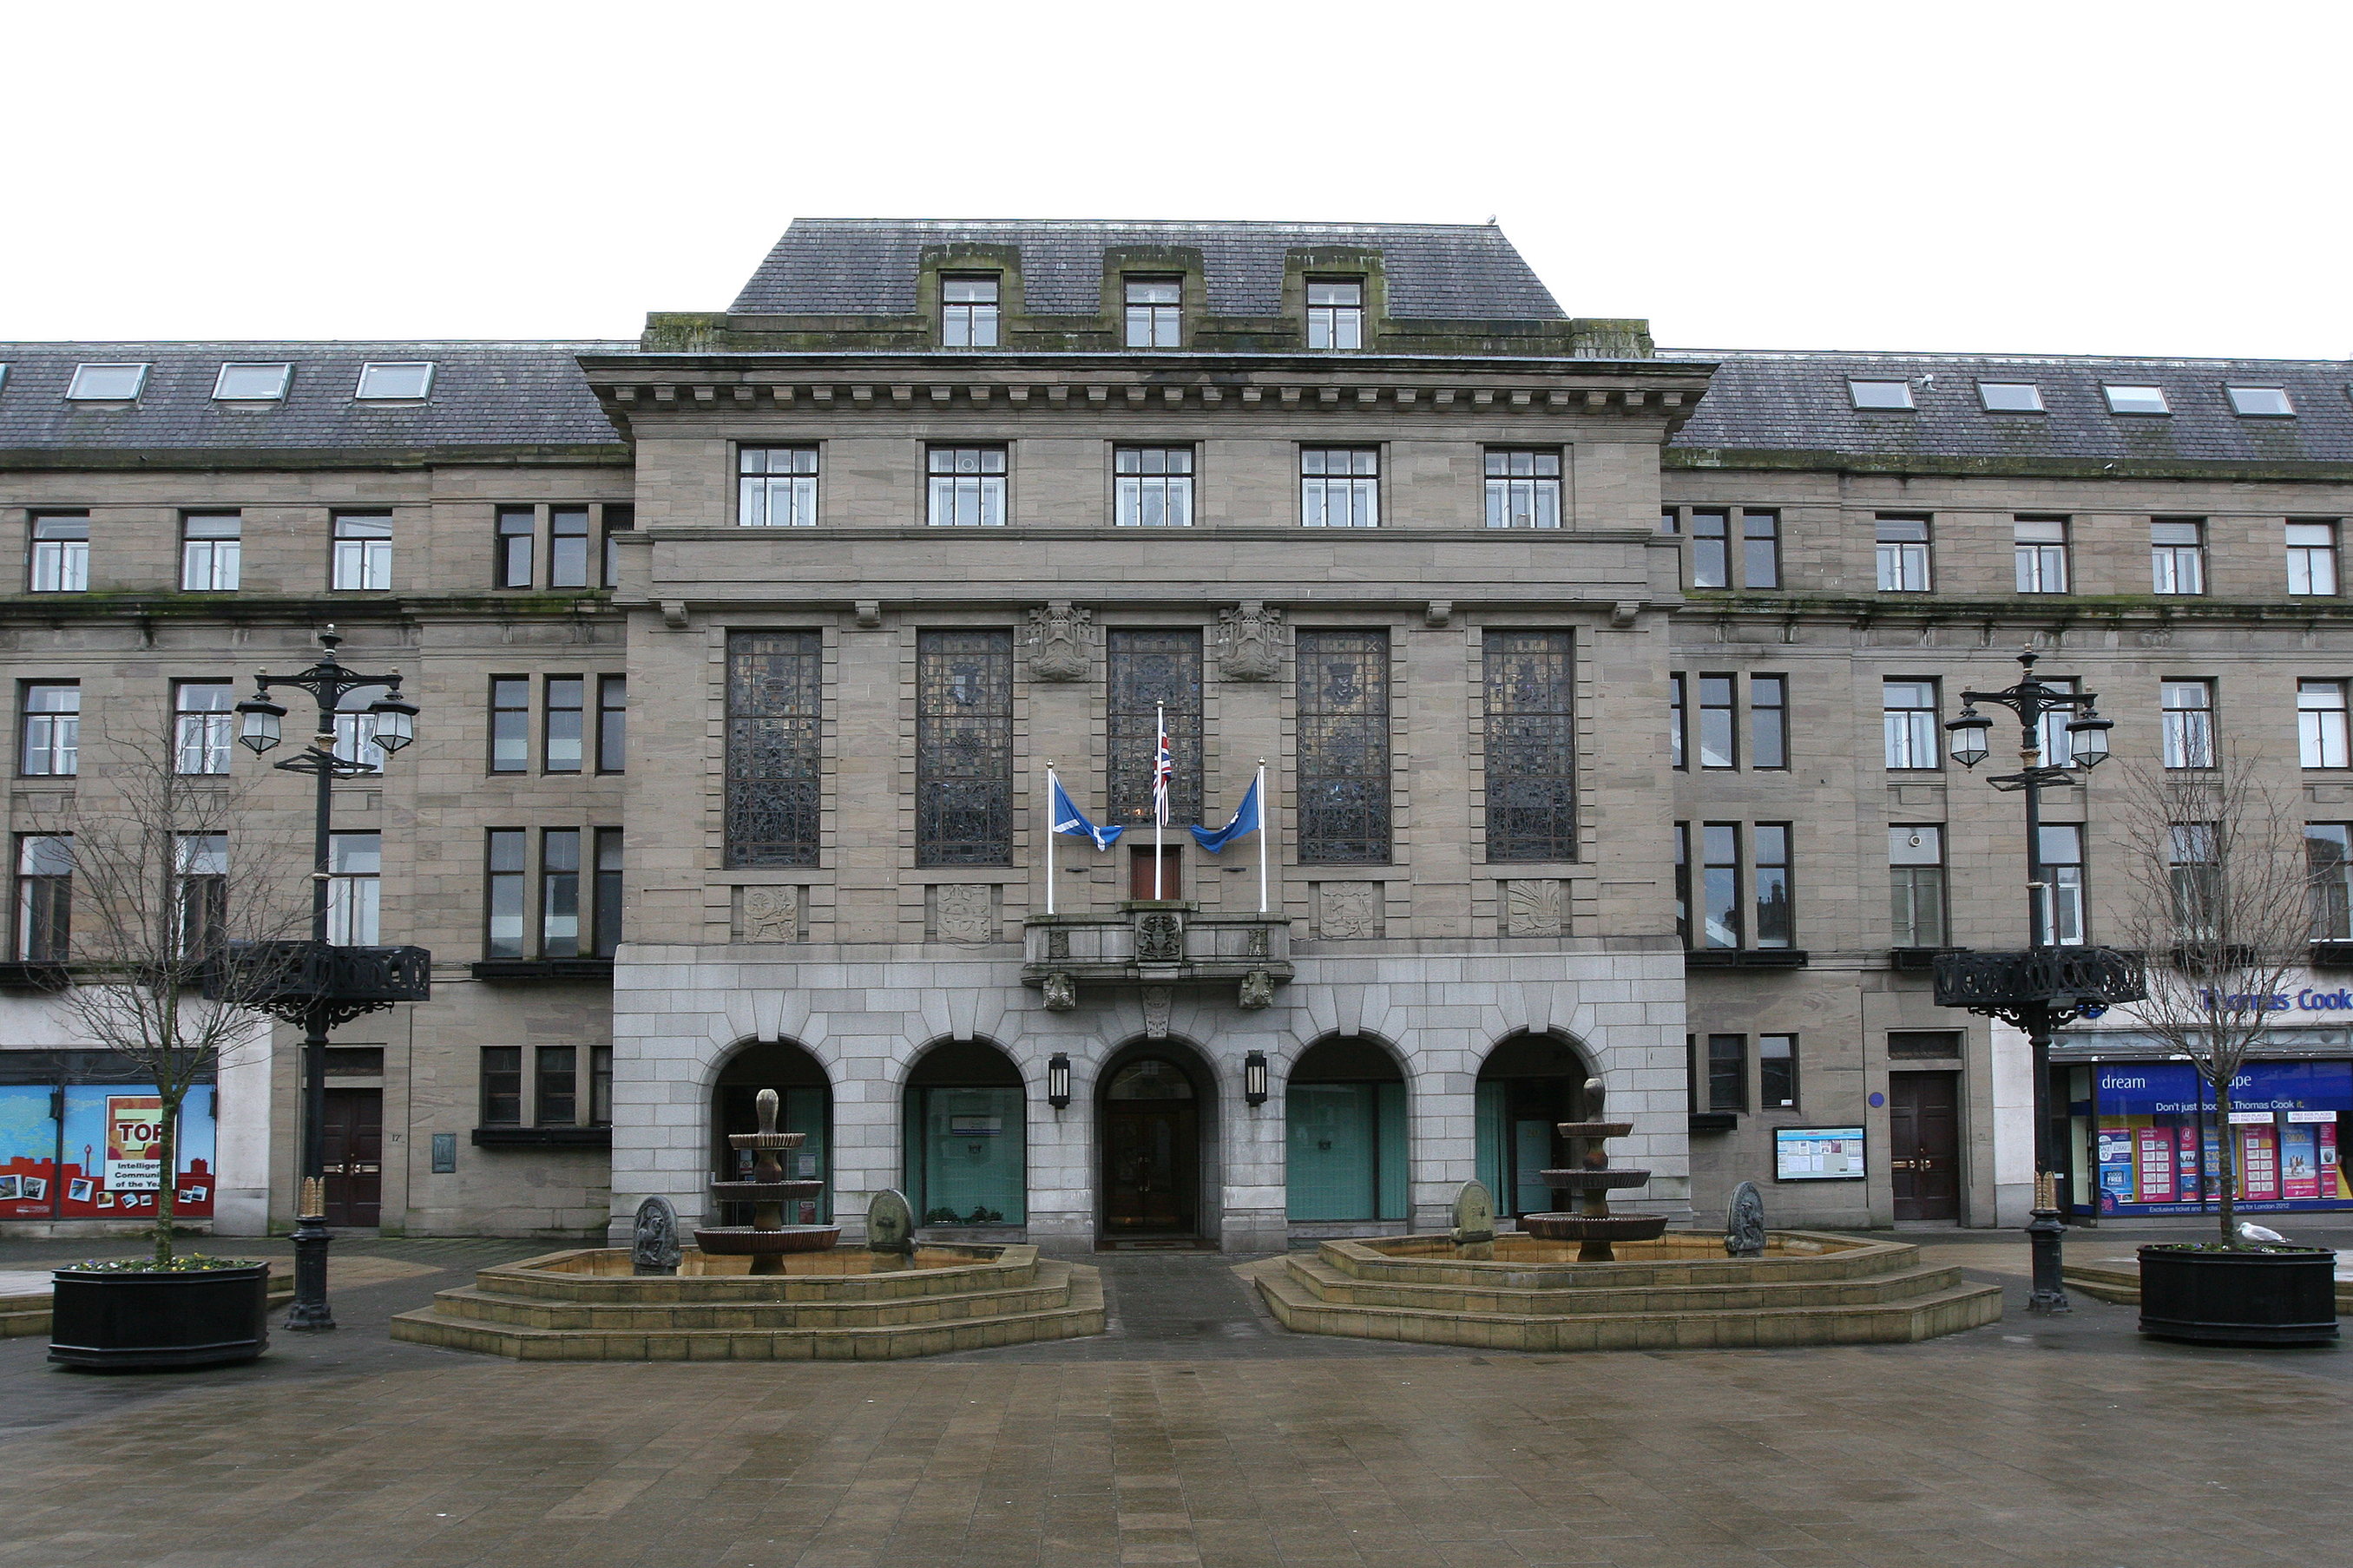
(964,1116)
(1346,1147)
(1156,1145)
(801,1082)
(1528,1083)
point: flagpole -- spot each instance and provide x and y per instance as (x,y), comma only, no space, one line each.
(1050,839)
(1262,835)
(1159,792)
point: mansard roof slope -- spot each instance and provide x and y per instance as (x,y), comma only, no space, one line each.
(869,266)
(484,396)
(1794,409)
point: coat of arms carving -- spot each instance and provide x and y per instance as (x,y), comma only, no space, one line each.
(1250,638)
(1058,648)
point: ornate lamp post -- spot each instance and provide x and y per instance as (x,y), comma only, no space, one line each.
(2047,985)
(316,983)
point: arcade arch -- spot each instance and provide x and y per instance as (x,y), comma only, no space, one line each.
(965,1122)
(1529,1083)
(806,1096)
(1156,1143)
(1345,1124)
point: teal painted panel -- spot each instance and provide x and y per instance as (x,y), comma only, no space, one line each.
(1330,1150)
(1532,1149)
(974,1157)
(1488,1138)
(806,1110)
(1393,1151)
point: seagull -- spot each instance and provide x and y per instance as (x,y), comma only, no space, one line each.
(2250,1231)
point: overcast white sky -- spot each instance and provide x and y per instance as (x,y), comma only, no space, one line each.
(2062,177)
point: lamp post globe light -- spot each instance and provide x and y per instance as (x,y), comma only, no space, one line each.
(2047,985)
(318,984)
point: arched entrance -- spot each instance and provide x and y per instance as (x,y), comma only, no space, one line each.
(965,1119)
(1527,1084)
(800,1083)
(1345,1126)
(1156,1106)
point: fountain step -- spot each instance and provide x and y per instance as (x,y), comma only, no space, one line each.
(477,1305)
(1074,1307)
(550,1278)
(1913,1317)
(1335,1287)
(1684,1257)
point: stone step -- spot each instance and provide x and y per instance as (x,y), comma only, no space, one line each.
(1433,1260)
(545,1279)
(491,1306)
(1078,1310)
(1332,1287)
(1911,1317)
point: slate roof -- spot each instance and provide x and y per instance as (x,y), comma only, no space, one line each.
(1799,402)
(869,266)
(483,394)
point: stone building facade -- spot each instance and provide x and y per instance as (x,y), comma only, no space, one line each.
(744,648)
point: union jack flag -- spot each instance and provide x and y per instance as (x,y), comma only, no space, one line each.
(1164,772)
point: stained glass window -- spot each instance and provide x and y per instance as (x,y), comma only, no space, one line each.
(772,748)
(1531,746)
(1149,667)
(1344,747)
(964,748)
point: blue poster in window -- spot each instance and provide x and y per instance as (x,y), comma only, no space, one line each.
(2159,1140)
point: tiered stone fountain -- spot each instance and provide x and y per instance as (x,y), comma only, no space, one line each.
(1591,1225)
(767,1239)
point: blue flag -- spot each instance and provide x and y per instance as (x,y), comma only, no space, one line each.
(1245,821)
(1069,819)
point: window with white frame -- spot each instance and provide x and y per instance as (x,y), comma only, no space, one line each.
(1339,487)
(2312,558)
(2188,709)
(567,547)
(2320,724)
(403,381)
(1880,397)
(2039,547)
(1711,549)
(355,727)
(2052,737)
(2261,402)
(44,897)
(967,486)
(1909,722)
(1155,308)
(200,876)
(1523,488)
(776,486)
(968,312)
(212,552)
(1776,912)
(1902,554)
(239,383)
(1335,313)
(1760,549)
(1916,874)
(1151,487)
(2009,397)
(518,540)
(60,552)
(51,727)
(364,551)
(2177,556)
(2136,400)
(106,384)
(2063,873)
(355,875)
(203,725)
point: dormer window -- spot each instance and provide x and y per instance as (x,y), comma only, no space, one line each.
(968,313)
(251,383)
(2010,396)
(1335,313)
(1154,305)
(2137,399)
(107,382)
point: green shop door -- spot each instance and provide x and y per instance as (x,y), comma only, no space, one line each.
(966,1155)
(1345,1150)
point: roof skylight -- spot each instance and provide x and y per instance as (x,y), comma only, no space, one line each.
(251,383)
(2264,401)
(107,382)
(2010,396)
(2136,400)
(1880,395)
(406,380)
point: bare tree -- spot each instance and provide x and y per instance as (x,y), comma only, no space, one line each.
(2222,904)
(164,859)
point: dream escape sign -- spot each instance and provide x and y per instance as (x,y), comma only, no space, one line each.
(134,1143)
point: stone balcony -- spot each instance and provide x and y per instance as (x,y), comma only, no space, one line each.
(1155,944)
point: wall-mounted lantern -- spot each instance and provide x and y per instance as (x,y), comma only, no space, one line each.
(1254,1077)
(1058,1080)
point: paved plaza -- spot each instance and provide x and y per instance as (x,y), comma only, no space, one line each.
(1196,1432)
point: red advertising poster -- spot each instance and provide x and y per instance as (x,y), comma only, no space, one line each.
(2259,1167)
(2154,1147)
(2186,1165)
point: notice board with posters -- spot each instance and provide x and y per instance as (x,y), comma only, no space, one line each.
(1818,1154)
(2158,1137)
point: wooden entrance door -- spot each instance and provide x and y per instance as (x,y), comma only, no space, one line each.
(1151,1167)
(354,1124)
(1923,1136)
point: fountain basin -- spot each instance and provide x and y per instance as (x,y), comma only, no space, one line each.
(765,1192)
(1593,1129)
(1594,1227)
(746,1241)
(1593,1181)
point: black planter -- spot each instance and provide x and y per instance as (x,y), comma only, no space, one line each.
(143,1321)
(2239,1298)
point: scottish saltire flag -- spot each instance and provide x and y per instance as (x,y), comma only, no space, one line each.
(1069,819)
(1246,821)
(1164,774)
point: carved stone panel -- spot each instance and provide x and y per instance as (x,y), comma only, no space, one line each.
(1347,911)
(1533,907)
(964,912)
(653,1239)
(1159,938)
(1250,642)
(1058,642)
(769,914)
(1157,1000)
